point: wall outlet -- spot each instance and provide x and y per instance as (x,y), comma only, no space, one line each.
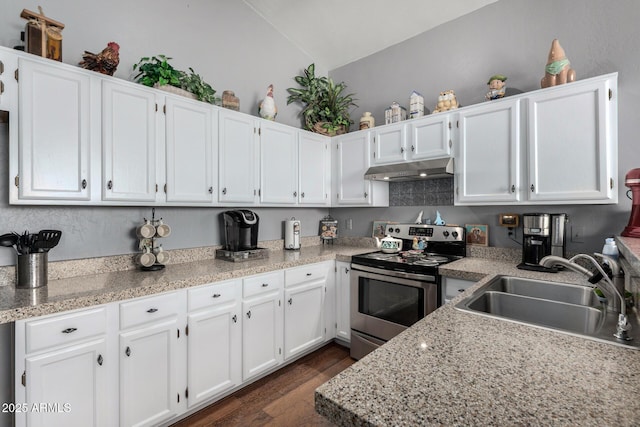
(577,234)
(349,223)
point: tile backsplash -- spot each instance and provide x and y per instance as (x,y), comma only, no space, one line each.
(428,192)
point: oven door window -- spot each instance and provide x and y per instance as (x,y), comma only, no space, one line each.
(390,301)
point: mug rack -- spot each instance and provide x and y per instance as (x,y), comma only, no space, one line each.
(148,245)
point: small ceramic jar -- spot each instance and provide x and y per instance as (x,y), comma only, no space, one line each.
(367,121)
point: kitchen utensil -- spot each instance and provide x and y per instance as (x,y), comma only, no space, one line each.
(389,245)
(24,243)
(32,271)
(45,240)
(9,240)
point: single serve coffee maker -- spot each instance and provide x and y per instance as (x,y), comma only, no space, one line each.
(543,234)
(240,230)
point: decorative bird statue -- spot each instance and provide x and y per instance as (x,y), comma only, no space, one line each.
(105,62)
(267,108)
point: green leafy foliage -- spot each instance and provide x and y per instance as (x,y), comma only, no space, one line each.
(324,101)
(193,83)
(156,69)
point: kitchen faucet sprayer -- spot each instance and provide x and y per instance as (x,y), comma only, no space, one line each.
(623,326)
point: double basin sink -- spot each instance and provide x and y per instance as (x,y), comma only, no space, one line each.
(561,307)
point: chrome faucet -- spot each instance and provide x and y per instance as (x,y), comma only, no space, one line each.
(611,291)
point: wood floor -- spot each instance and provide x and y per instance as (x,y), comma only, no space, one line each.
(284,398)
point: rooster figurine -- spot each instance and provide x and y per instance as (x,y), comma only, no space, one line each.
(105,62)
(267,108)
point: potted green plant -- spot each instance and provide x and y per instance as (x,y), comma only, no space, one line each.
(156,71)
(193,83)
(326,106)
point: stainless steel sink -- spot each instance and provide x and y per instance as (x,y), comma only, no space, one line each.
(561,307)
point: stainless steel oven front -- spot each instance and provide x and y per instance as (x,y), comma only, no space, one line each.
(385,303)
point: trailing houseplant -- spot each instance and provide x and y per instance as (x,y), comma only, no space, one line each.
(326,105)
(193,83)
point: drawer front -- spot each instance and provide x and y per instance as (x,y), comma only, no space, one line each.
(297,275)
(455,286)
(214,294)
(262,283)
(150,309)
(65,329)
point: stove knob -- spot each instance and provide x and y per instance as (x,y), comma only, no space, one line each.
(390,230)
(445,233)
(455,234)
(397,230)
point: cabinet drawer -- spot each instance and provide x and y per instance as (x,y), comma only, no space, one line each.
(65,329)
(149,309)
(295,276)
(453,287)
(213,294)
(263,283)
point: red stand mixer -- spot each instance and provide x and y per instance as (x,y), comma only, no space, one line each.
(632,180)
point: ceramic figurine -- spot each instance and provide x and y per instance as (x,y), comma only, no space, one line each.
(367,121)
(558,70)
(439,220)
(267,108)
(446,101)
(497,87)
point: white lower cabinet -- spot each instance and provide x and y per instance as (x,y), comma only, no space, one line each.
(148,361)
(304,325)
(151,378)
(343,319)
(453,287)
(262,323)
(214,341)
(63,370)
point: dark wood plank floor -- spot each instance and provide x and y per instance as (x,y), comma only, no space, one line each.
(284,398)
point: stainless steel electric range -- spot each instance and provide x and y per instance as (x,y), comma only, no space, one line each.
(391,291)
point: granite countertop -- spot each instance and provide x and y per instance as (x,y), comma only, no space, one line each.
(89,290)
(457,368)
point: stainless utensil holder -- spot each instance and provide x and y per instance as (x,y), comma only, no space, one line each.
(32,271)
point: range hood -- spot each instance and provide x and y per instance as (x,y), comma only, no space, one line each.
(411,171)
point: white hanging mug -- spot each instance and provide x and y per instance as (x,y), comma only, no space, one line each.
(146,230)
(162,229)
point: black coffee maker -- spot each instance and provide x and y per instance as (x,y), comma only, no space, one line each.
(240,230)
(543,234)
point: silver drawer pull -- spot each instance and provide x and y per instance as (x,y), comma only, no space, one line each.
(264,285)
(309,274)
(69,330)
(216,295)
(152,310)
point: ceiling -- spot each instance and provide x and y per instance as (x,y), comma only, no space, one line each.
(337,32)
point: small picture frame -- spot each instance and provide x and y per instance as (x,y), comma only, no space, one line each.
(380,229)
(477,234)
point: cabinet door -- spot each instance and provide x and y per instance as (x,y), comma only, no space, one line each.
(430,137)
(352,154)
(278,164)
(389,144)
(129,136)
(72,384)
(572,143)
(261,334)
(148,383)
(54,121)
(238,153)
(314,169)
(303,317)
(488,157)
(343,316)
(190,131)
(214,352)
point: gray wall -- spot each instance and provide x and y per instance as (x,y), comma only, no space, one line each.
(224,41)
(510,37)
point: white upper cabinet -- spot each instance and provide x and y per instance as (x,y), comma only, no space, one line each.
(572,149)
(389,144)
(314,169)
(54,133)
(488,156)
(351,161)
(278,163)
(191,149)
(566,152)
(238,158)
(129,142)
(430,137)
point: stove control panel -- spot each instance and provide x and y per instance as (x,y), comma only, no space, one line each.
(434,233)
